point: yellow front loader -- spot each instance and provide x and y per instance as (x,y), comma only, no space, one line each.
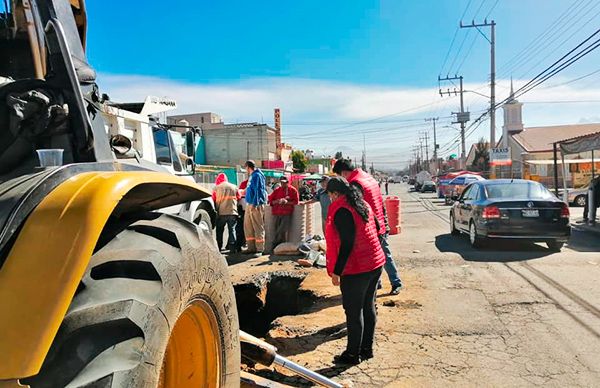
(98,288)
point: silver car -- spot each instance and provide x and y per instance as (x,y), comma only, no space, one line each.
(578,197)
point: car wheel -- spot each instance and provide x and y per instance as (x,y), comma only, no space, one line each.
(580,200)
(476,240)
(555,246)
(453,230)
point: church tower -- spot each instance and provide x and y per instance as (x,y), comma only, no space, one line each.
(513,119)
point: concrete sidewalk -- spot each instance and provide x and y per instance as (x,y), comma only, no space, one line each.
(585,227)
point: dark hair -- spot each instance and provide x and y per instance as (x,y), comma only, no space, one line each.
(250,163)
(343,165)
(353,195)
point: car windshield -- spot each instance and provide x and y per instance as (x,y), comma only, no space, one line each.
(527,190)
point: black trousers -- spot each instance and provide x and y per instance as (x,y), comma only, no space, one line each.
(358,298)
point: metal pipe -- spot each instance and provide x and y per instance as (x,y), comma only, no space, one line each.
(306,373)
(264,353)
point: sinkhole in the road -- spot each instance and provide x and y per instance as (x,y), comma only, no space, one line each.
(268,296)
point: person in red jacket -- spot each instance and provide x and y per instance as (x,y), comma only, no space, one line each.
(372,194)
(354,262)
(283,199)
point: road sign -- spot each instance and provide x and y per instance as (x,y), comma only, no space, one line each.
(500,157)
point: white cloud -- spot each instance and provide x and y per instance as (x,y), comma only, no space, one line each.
(305,101)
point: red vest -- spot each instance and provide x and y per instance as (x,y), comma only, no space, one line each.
(366,254)
(371,193)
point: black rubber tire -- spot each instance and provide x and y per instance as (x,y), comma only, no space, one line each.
(116,330)
(555,246)
(202,216)
(453,230)
(478,242)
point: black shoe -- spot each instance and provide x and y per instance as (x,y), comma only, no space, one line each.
(396,289)
(366,354)
(347,358)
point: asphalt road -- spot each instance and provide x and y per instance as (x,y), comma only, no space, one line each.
(512,314)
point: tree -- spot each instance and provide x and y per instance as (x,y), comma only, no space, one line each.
(299,160)
(338,155)
(481,161)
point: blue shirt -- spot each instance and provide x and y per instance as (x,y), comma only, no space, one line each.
(256,192)
(324,200)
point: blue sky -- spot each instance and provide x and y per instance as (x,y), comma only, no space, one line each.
(334,63)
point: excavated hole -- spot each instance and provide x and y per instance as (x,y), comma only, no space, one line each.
(268,296)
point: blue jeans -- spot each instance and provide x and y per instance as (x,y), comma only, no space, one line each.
(390,265)
(231,222)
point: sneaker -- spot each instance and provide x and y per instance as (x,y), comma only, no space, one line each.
(248,252)
(347,358)
(396,289)
(366,354)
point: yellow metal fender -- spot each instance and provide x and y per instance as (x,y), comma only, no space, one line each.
(49,256)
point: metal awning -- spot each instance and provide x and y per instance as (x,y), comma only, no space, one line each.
(574,145)
(584,143)
(551,161)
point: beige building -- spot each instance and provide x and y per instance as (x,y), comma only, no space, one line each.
(231,144)
(532,150)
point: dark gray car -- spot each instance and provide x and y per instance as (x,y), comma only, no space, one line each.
(510,209)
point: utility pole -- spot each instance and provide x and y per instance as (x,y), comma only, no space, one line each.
(426,150)
(492,41)
(461,117)
(435,145)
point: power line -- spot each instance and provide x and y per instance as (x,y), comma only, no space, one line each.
(540,37)
(550,38)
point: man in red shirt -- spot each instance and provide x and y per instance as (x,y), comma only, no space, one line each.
(283,200)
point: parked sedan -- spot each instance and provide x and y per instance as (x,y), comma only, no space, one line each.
(428,186)
(578,197)
(510,209)
(458,184)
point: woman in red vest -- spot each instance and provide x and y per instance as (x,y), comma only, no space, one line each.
(354,262)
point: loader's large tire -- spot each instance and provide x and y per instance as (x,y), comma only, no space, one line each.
(155,308)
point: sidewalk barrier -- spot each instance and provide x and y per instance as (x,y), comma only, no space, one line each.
(392,208)
(269,229)
(298,225)
(301,224)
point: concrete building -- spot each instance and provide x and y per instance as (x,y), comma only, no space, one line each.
(532,153)
(231,144)
(207,120)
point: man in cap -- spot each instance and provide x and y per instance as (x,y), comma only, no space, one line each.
(283,199)
(254,218)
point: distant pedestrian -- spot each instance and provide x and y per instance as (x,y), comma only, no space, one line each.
(387,192)
(239,227)
(226,199)
(354,261)
(283,200)
(372,195)
(322,197)
(254,219)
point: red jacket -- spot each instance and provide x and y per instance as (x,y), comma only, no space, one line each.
(290,194)
(371,193)
(366,254)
